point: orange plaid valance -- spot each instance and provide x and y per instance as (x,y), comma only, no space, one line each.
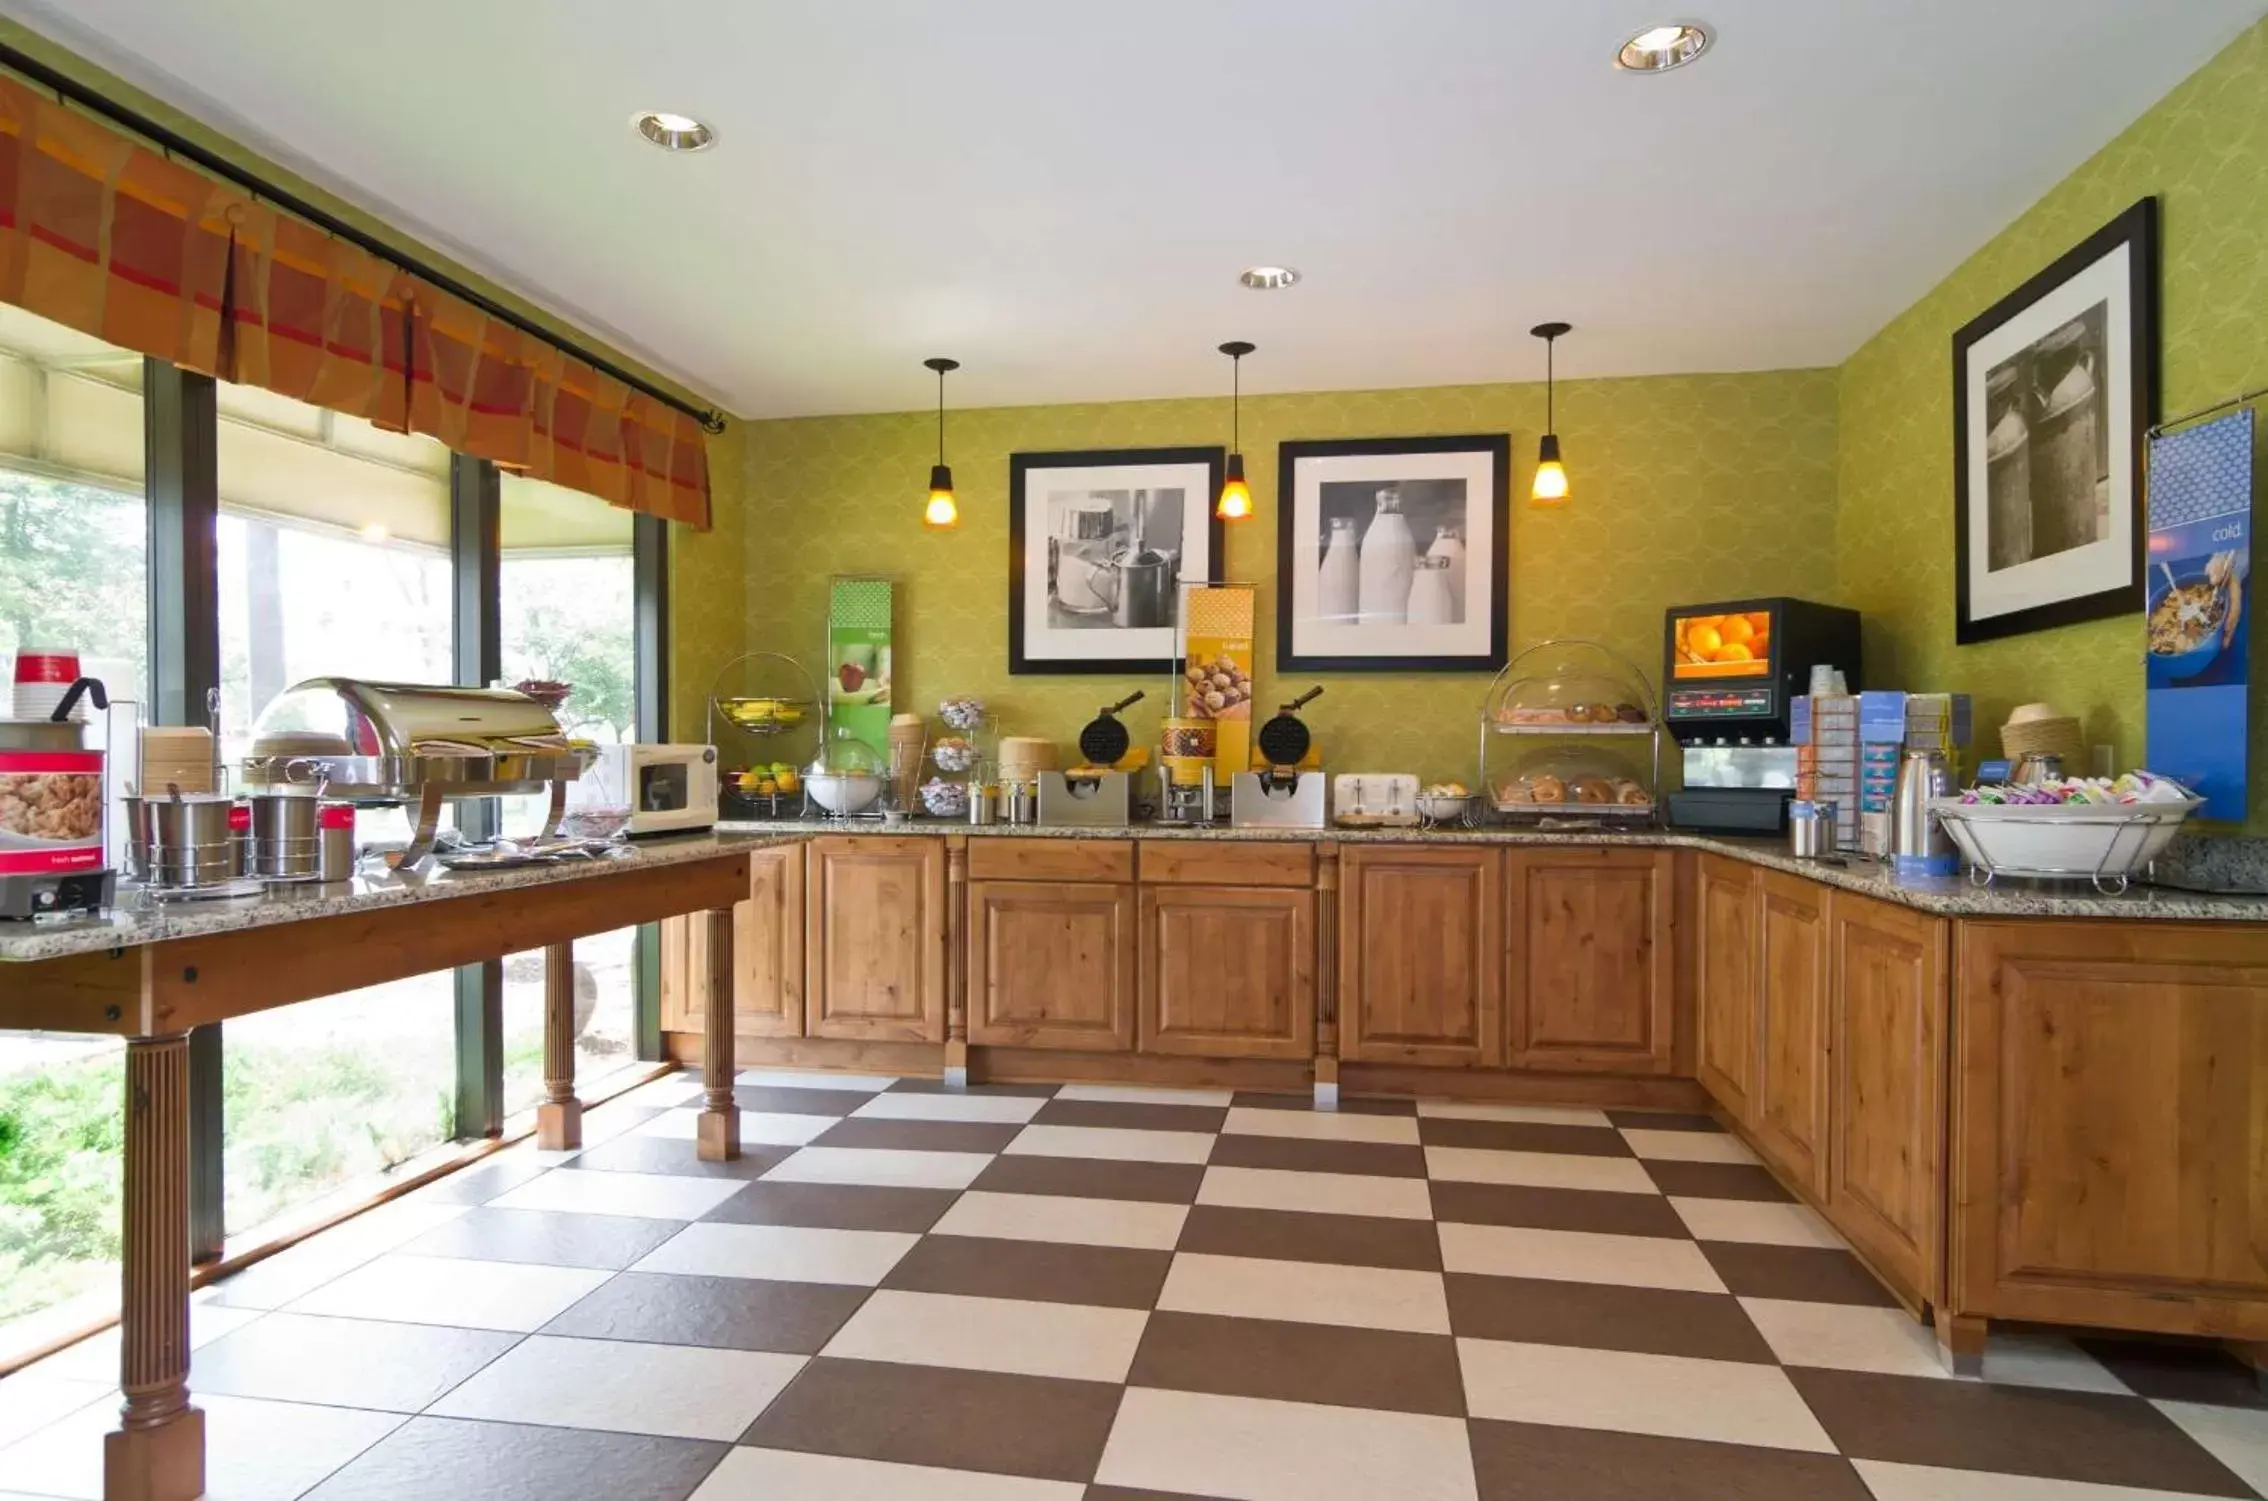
(103,234)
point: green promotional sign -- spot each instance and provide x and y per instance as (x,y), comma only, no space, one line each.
(858,660)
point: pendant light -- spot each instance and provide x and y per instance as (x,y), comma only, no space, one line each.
(942,513)
(1236,495)
(1550,488)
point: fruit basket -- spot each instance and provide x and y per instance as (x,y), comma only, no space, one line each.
(766,697)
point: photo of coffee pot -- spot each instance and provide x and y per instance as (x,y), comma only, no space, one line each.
(1101,566)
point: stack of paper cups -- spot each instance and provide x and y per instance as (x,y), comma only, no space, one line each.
(43,675)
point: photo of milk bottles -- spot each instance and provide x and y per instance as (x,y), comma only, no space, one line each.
(1391,554)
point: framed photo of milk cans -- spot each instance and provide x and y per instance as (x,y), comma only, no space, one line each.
(1391,554)
(1099,544)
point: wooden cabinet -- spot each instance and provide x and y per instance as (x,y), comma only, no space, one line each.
(1421,959)
(2111,1103)
(1051,965)
(1228,972)
(767,953)
(1885,1179)
(875,935)
(1725,985)
(1591,959)
(1789,1116)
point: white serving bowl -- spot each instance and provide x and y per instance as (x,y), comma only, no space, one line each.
(1441,807)
(843,791)
(2062,841)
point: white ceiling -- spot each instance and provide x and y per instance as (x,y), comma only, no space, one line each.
(1061,194)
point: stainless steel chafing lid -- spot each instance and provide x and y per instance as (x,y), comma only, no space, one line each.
(386,742)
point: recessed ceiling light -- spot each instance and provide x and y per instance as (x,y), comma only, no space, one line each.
(1658,49)
(673,132)
(1269,278)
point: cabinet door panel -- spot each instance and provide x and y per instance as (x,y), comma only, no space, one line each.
(1228,972)
(1420,956)
(1792,1066)
(1051,966)
(767,952)
(1885,1167)
(1591,960)
(875,938)
(1725,961)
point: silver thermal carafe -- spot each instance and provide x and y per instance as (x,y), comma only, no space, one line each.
(1919,845)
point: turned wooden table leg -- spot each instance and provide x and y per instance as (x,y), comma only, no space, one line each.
(559,1119)
(1326,978)
(158,1450)
(1961,1342)
(719,1138)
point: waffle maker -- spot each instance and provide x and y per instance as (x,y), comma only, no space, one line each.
(1281,795)
(1093,795)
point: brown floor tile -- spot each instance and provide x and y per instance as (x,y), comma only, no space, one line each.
(938,1086)
(1348,1104)
(778,1099)
(458,1457)
(833,1206)
(2170,1371)
(928,1415)
(657,1154)
(1129,1116)
(1092,1178)
(1037,1271)
(1531,1462)
(606,1242)
(1288,1235)
(1663,1120)
(1523,1136)
(917,1136)
(1652,1321)
(1322,1363)
(1803,1274)
(2011,1430)
(725,1313)
(1717,1180)
(1556,1209)
(1297,1154)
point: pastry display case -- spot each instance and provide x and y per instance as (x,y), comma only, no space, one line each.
(1570,737)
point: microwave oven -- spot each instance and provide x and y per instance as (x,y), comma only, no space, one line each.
(673,789)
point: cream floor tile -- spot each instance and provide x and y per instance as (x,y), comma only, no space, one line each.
(1067,1340)
(2044,1360)
(1577,1256)
(1194,1444)
(1146,1094)
(461,1294)
(1687,1146)
(758,1128)
(792,1078)
(1542,1115)
(1673,1396)
(1844,1337)
(1316,1193)
(1324,1125)
(292,1273)
(781,1253)
(1538,1170)
(774,1474)
(1112,1144)
(29,1402)
(675,1391)
(877,1168)
(2236,1436)
(1064,1220)
(1000,1109)
(254,1450)
(1361,1297)
(653,1196)
(1756,1223)
(1896,1482)
(95,1358)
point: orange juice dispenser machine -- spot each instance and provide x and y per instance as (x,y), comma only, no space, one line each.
(1731,674)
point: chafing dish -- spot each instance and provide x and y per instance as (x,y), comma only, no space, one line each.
(381,744)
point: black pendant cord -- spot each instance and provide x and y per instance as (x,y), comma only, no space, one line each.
(1550,388)
(940,416)
(1236,405)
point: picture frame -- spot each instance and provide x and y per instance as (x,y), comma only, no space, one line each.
(2055,389)
(1438,598)
(1099,542)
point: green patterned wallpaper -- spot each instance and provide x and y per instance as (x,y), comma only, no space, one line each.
(1687,488)
(2204,150)
(707,585)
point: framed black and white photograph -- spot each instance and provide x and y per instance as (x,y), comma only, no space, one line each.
(1391,554)
(2054,392)
(1098,547)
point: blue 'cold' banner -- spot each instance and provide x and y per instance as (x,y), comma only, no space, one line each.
(2199,599)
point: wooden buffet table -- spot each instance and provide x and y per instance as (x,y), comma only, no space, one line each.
(2037,1105)
(149,977)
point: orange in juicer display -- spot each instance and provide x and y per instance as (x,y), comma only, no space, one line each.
(1734,645)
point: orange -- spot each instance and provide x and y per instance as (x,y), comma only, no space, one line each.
(1738,630)
(1702,640)
(1733,652)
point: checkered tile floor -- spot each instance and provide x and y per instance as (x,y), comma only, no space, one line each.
(1047,1294)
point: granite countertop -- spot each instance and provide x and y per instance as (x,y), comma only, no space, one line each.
(140,919)
(1945,896)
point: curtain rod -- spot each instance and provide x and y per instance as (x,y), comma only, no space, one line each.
(175,144)
(2203,412)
